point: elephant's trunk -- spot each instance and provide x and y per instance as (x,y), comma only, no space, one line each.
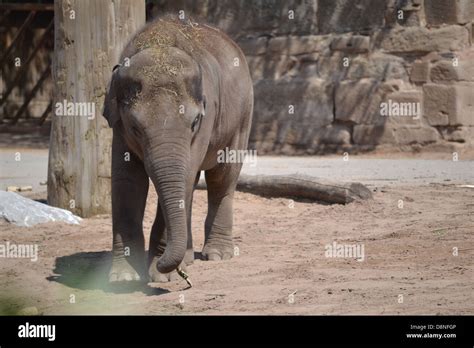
(166,165)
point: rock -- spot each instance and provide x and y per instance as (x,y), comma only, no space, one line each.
(420,71)
(419,39)
(341,16)
(449,104)
(22,211)
(351,43)
(449,11)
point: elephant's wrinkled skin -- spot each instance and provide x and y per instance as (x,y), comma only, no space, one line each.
(181,93)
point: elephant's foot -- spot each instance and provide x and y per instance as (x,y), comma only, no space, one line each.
(217,252)
(189,257)
(123,271)
(157,277)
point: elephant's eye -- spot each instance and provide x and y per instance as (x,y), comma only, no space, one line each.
(195,122)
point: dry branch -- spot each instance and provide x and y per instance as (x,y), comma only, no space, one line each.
(301,187)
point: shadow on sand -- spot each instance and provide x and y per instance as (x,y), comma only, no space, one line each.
(89,271)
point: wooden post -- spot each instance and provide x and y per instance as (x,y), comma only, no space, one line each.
(89,37)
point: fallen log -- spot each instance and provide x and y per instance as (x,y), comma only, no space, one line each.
(300,187)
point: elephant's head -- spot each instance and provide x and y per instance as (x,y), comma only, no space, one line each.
(155,99)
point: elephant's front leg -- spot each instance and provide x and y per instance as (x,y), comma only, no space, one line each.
(221,182)
(129,191)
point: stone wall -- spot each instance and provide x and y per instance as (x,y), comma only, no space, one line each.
(324,69)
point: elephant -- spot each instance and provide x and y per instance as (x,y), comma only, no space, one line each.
(181,93)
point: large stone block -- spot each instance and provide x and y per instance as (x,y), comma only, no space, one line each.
(412,15)
(458,134)
(360,102)
(332,67)
(351,43)
(373,135)
(420,72)
(389,134)
(272,67)
(341,16)
(449,11)
(377,66)
(254,46)
(423,40)
(407,135)
(295,45)
(449,104)
(403,108)
(446,71)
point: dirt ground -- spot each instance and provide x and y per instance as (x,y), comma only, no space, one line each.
(409,266)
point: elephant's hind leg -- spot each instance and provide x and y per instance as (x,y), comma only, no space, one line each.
(129,192)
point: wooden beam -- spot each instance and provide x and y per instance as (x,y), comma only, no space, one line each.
(29,97)
(4,15)
(20,31)
(26,7)
(79,166)
(45,113)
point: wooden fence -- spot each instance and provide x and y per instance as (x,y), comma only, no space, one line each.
(27,31)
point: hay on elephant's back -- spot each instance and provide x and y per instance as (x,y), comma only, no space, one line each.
(164,34)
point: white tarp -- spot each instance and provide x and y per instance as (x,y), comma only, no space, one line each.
(22,211)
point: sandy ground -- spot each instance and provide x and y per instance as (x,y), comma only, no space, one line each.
(408,266)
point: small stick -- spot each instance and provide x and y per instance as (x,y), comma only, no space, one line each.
(185,276)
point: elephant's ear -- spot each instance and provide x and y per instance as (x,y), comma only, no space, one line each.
(111,112)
